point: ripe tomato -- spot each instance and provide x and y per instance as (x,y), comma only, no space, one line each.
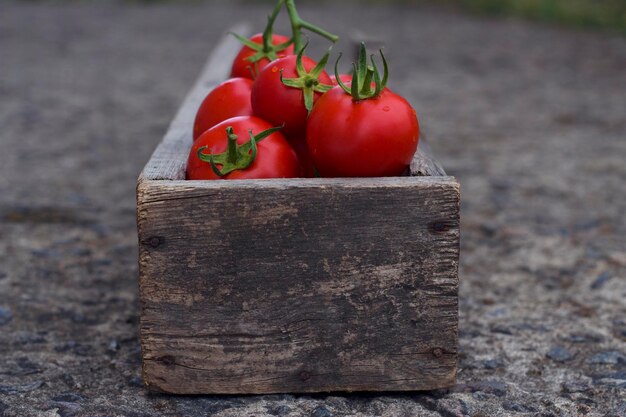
(242,67)
(274,156)
(229,99)
(365,138)
(279,104)
(307,169)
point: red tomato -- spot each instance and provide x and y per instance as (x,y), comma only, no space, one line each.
(307,169)
(244,68)
(277,103)
(345,78)
(373,137)
(229,99)
(275,158)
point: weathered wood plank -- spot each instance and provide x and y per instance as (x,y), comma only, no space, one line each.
(169,160)
(424,163)
(265,286)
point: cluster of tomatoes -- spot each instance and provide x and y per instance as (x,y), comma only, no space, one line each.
(282,116)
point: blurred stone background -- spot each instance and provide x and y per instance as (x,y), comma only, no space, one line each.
(530,117)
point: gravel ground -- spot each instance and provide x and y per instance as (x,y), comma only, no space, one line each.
(531,119)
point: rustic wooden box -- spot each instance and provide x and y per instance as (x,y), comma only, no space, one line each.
(300,285)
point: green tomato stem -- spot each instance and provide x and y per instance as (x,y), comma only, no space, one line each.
(316,29)
(231,152)
(297,24)
(267,34)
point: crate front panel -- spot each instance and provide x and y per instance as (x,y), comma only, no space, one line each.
(299,286)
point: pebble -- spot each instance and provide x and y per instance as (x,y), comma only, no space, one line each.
(14,389)
(501,329)
(493,364)
(279,410)
(68,380)
(495,387)
(68,397)
(575,386)
(5,315)
(70,344)
(584,338)
(77,348)
(611,357)
(114,346)
(24,338)
(489,230)
(449,407)
(480,396)
(136,381)
(217,405)
(27,367)
(46,253)
(513,406)
(559,354)
(532,327)
(80,252)
(103,262)
(498,312)
(612,379)
(65,409)
(321,411)
(601,280)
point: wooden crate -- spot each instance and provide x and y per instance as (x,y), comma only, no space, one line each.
(298,285)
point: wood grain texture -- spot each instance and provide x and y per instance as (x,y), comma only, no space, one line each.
(266,286)
(169,160)
(424,163)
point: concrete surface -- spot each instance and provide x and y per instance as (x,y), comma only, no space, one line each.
(531,119)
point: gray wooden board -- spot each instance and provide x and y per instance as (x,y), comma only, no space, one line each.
(298,285)
(292,286)
(169,160)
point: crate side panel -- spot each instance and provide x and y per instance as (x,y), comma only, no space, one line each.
(303,288)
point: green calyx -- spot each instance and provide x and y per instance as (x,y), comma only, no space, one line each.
(236,156)
(266,49)
(269,50)
(363,75)
(308,82)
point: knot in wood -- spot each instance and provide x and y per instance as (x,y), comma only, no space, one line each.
(304,375)
(440,226)
(154,241)
(437,352)
(167,360)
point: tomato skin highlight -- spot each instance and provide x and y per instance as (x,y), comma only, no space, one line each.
(277,103)
(275,157)
(368,138)
(246,69)
(229,99)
